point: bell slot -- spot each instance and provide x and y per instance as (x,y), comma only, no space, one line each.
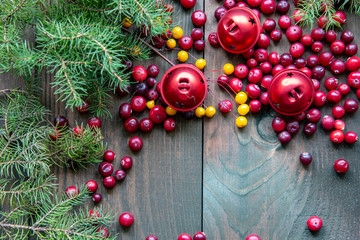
(231,26)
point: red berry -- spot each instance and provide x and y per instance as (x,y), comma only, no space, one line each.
(223,80)
(344,89)
(351,49)
(331,83)
(152,94)
(278,124)
(330,36)
(225,106)
(327,122)
(282,7)
(78,131)
(337,47)
(255,75)
(276,69)
(313,115)
(341,166)
(306,40)
(241,71)
(120,175)
(199,236)
(294,33)
(263,41)
(219,12)
(338,111)
(255,106)
(126,219)
(139,73)
(326,58)
(185,42)
(317,46)
(286,59)
(109,182)
(153,70)
(250,53)
(228,4)
(146,125)
(316,84)
(157,42)
(340,17)
(297,50)
(269,25)
(138,103)
(213,39)
(337,136)
(169,8)
(135,143)
(284,22)
(126,162)
(157,114)
(334,96)
(274,58)
(253,91)
(339,124)
(71,192)
(297,15)
(284,137)
(198,18)
(351,137)
(197,34)
(312,61)
(338,66)
(106,169)
(169,125)
(199,45)
(319,99)
(261,55)
(347,37)
(131,124)
(314,223)
(293,126)
(264,100)
(125,110)
(55,134)
(84,107)
(96,197)
(61,122)
(322,21)
(351,105)
(188,3)
(91,186)
(266,67)
(265,81)
(140,89)
(276,35)
(251,63)
(354,79)
(151,237)
(103,232)
(310,128)
(109,156)
(94,122)
(236,85)
(268,6)
(318,34)
(184,236)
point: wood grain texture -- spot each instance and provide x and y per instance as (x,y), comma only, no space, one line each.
(254,185)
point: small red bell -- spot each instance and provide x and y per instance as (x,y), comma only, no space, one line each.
(183,87)
(291,92)
(238,30)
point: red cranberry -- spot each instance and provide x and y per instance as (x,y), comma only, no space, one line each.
(322,21)
(106,169)
(223,80)
(312,61)
(125,110)
(84,107)
(326,58)
(252,237)
(358,93)
(318,72)
(318,34)
(151,237)
(261,55)
(248,54)
(282,7)
(265,81)
(140,89)
(146,125)
(126,162)
(126,219)
(340,17)
(344,89)
(253,91)
(327,122)
(61,122)
(120,175)
(353,64)
(94,122)
(316,84)
(268,6)
(319,99)
(109,182)
(131,124)
(306,71)
(339,124)
(317,46)
(306,40)
(219,12)
(293,126)
(278,124)
(185,42)
(300,116)
(184,236)
(138,103)
(241,4)
(135,143)
(96,197)
(241,71)
(331,83)
(251,63)
(254,3)
(337,47)
(297,15)
(300,62)
(188,3)
(103,232)
(351,137)
(157,114)
(197,34)
(354,79)
(286,59)
(314,223)
(78,131)
(266,67)
(153,70)
(225,106)
(198,18)
(150,82)
(337,136)
(310,128)
(169,8)
(228,4)
(276,35)
(294,33)
(276,69)
(297,50)
(274,58)
(334,96)
(341,166)
(255,106)
(139,73)
(351,105)
(338,66)
(199,236)
(263,41)
(330,36)
(169,125)
(351,49)
(213,39)
(284,137)
(313,115)
(128,64)
(338,111)
(109,156)
(347,37)
(152,94)
(284,22)
(255,75)
(91,186)
(236,85)
(269,25)
(199,45)
(305,158)
(157,42)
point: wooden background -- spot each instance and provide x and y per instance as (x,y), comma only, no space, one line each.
(210,176)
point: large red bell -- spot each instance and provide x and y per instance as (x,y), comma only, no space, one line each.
(238,30)
(183,87)
(291,92)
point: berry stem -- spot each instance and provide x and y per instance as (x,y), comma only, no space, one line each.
(213,81)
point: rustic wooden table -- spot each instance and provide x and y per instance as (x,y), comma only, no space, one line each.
(208,175)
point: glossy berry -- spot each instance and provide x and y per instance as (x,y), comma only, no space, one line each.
(135,143)
(255,106)
(305,158)
(197,34)
(310,128)
(276,35)
(146,125)
(251,63)
(351,105)
(269,25)
(337,47)
(109,156)
(274,58)
(151,237)
(139,73)
(199,45)
(126,162)
(55,134)
(347,37)
(293,126)
(186,42)
(184,236)
(317,46)
(284,137)
(228,4)
(326,58)
(314,223)
(153,70)
(306,40)
(225,106)
(286,59)
(138,103)
(152,94)
(264,100)
(103,232)
(140,89)
(210,111)
(312,61)
(278,124)
(284,22)
(282,7)
(120,175)
(131,124)
(188,3)
(78,131)
(297,15)
(331,83)
(268,6)
(96,197)
(294,33)
(200,63)
(169,125)
(236,85)
(338,111)
(318,72)
(337,136)
(198,18)
(338,66)
(255,75)
(330,36)
(334,96)
(248,54)
(157,114)
(339,124)
(94,122)
(253,91)
(61,122)
(341,166)
(297,50)
(109,182)
(106,169)
(125,110)
(71,192)
(199,236)
(327,122)
(84,107)
(344,89)
(223,80)
(318,34)
(316,84)
(219,12)
(354,79)
(252,237)
(263,41)
(91,186)
(126,219)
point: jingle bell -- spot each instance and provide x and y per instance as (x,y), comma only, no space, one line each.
(291,92)
(183,87)
(238,30)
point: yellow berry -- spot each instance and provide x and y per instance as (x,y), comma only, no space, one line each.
(243,109)
(210,111)
(228,69)
(200,112)
(241,122)
(171,43)
(183,56)
(241,97)
(150,104)
(170,111)
(200,63)
(177,32)
(126,22)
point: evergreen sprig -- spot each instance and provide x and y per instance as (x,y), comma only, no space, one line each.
(80,41)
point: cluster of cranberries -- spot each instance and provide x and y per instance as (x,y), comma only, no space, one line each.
(197,236)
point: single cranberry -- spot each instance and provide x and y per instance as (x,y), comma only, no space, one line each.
(184,236)
(351,49)
(106,169)
(199,45)
(326,58)
(253,91)
(103,232)
(135,143)
(297,50)
(125,110)
(169,8)
(354,79)
(268,6)
(322,21)
(241,4)
(334,96)
(94,122)
(305,158)
(153,70)
(131,124)
(248,54)
(316,84)
(294,33)
(252,237)
(310,128)
(306,71)
(300,62)
(319,99)
(318,34)
(312,61)
(255,106)
(120,175)
(140,89)
(274,58)
(297,15)
(224,106)
(317,46)
(347,37)
(340,17)
(337,47)
(263,41)
(219,12)
(199,236)
(331,83)
(351,105)
(150,82)
(337,136)
(84,107)
(313,115)
(157,114)
(300,116)
(318,72)
(269,25)
(265,81)
(236,85)
(266,67)
(169,125)
(338,66)
(138,103)
(278,124)
(293,126)
(339,124)
(91,186)
(213,39)
(126,162)
(199,18)
(228,4)
(241,71)
(78,131)
(96,197)
(276,69)
(261,55)
(314,223)
(251,62)
(341,166)
(255,75)
(351,137)
(223,80)
(353,64)
(338,111)
(157,42)
(284,137)
(188,3)
(109,182)
(139,73)
(344,89)
(151,237)
(306,40)
(71,192)
(276,35)
(152,94)
(123,91)
(126,219)
(282,7)
(284,22)
(61,122)
(158,86)
(146,125)
(197,34)
(327,122)
(286,59)
(186,42)
(330,36)
(109,156)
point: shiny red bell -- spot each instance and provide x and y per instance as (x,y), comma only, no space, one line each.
(291,92)
(183,87)
(238,30)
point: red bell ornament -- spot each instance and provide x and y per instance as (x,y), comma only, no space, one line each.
(183,87)
(238,30)
(291,92)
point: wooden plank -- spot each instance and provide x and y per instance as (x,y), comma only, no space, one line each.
(252,184)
